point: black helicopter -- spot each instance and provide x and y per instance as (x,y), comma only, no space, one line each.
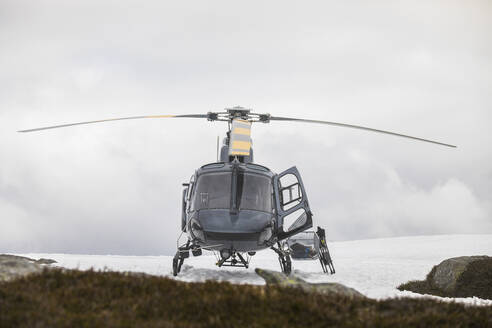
(235,207)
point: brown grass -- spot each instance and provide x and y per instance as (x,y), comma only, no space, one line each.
(108,299)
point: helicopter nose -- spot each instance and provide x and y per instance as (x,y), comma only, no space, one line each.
(246,221)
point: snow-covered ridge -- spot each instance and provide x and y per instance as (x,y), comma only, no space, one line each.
(374,267)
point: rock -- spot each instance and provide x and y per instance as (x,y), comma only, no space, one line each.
(12,266)
(280,279)
(464,276)
(446,274)
(45,261)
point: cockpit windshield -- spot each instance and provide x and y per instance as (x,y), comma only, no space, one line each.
(254,192)
(213,191)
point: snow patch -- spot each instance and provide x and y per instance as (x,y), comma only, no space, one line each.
(374,267)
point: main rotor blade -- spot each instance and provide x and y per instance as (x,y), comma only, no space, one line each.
(272,118)
(116,119)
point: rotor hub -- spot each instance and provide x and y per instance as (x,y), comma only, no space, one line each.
(238,112)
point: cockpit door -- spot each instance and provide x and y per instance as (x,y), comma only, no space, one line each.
(294,214)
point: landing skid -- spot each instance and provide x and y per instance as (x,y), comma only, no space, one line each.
(238,260)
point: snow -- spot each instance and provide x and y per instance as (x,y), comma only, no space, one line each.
(374,267)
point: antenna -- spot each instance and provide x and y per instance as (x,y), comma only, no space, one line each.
(217,149)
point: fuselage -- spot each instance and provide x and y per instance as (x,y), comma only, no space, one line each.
(230,206)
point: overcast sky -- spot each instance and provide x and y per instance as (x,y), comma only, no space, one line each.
(418,67)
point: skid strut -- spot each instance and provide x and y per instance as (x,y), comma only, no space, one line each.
(182,253)
(283,259)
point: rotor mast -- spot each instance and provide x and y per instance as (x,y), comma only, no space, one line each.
(237,144)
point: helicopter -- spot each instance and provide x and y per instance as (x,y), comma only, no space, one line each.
(235,207)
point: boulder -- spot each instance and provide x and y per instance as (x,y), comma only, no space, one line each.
(280,279)
(45,261)
(464,276)
(446,274)
(12,266)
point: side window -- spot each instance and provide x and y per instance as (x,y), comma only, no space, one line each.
(290,191)
(295,220)
(191,190)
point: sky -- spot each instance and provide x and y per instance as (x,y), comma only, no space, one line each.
(422,68)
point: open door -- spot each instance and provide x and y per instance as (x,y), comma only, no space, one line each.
(294,214)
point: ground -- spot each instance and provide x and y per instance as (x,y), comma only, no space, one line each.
(61,298)
(374,267)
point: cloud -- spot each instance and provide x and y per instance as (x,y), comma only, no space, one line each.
(397,207)
(358,192)
(420,69)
